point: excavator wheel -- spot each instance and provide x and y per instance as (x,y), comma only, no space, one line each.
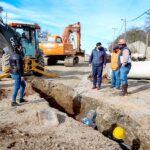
(41,63)
(5,63)
(0,65)
(76,60)
(4,58)
(69,62)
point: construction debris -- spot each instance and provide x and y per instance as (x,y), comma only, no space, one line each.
(47,118)
(4,93)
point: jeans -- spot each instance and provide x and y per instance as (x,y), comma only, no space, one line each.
(124,74)
(97,75)
(18,84)
(115,78)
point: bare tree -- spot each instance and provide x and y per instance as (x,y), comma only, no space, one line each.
(1,9)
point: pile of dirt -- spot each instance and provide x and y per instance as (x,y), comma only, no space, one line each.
(105,78)
(20,129)
(29,90)
(4,93)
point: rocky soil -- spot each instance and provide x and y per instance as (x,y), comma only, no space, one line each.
(72,97)
(72,93)
(20,127)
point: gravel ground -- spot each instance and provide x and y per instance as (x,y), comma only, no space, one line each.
(20,128)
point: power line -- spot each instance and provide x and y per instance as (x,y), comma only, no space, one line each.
(139,16)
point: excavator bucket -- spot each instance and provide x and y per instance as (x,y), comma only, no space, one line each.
(32,65)
(5,75)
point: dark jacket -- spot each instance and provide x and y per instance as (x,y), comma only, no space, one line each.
(98,58)
(16,63)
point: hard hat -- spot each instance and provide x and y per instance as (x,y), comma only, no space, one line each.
(122,41)
(119,133)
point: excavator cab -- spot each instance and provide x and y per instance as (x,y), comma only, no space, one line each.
(63,47)
(25,35)
(28,36)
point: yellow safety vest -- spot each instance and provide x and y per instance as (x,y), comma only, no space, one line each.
(115,60)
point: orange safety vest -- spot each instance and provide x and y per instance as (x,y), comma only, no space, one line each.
(115,60)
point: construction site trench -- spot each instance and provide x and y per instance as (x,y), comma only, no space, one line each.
(77,101)
(72,96)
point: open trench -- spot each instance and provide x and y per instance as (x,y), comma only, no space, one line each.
(77,106)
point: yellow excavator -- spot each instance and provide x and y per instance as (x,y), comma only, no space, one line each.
(26,36)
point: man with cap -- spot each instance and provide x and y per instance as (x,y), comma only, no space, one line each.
(17,71)
(115,66)
(97,61)
(125,60)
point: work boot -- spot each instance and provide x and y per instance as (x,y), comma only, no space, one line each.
(21,100)
(123,91)
(112,86)
(94,87)
(14,104)
(118,88)
(98,87)
(126,89)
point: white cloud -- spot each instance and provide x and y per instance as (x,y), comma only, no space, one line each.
(97,17)
(14,13)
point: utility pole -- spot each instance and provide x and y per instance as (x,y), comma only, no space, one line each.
(147,38)
(125,28)
(114,33)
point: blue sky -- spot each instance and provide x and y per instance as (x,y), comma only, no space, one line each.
(97,17)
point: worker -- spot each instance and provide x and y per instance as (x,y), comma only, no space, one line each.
(115,66)
(16,64)
(117,134)
(97,61)
(24,38)
(125,60)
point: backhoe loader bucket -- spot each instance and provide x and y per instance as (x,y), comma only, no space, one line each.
(5,74)
(32,65)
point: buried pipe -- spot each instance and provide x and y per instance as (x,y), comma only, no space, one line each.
(139,70)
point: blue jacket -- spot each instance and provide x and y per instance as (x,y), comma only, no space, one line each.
(16,63)
(98,58)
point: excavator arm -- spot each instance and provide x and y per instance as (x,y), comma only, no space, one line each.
(71,29)
(8,41)
(8,38)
